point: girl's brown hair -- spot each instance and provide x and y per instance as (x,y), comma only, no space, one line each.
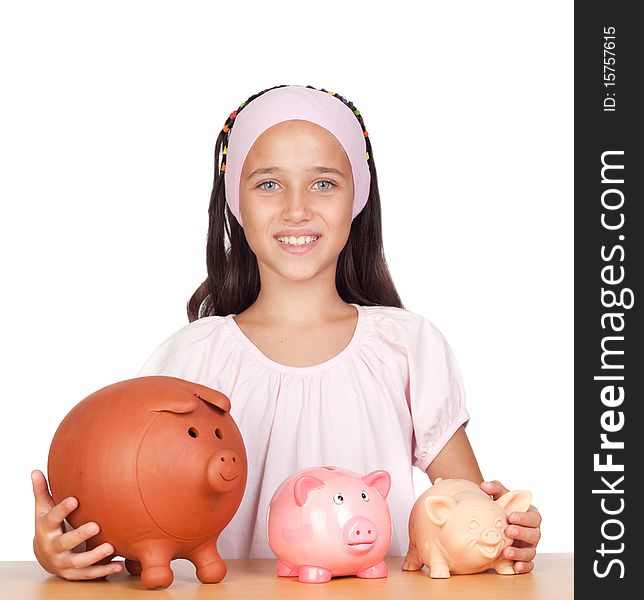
(233,283)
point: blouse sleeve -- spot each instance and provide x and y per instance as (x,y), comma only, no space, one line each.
(161,359)
(435,394)
(184,354)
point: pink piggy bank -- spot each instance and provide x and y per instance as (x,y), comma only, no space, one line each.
(325,522)
(455,527)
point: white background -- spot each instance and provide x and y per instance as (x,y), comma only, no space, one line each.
(109,117)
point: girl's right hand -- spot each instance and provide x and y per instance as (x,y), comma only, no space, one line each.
(54,548)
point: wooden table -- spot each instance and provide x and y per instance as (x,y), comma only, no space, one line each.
(552,579)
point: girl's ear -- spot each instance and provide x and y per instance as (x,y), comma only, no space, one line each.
(518,500)
(381,480)
(438,508)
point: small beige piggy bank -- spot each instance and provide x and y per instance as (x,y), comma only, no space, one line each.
(455,527)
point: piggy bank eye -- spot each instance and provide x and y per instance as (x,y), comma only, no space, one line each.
(364,496)
(499,524)
(193,432)
(338,498)
(219,434)
(473,524)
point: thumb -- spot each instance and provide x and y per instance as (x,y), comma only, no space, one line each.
(494,488)
(44,501)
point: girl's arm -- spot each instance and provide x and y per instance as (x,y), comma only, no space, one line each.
(457,461)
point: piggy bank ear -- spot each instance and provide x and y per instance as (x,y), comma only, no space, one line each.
(305,485)
(214,398)
(518,500)
(179,404)
(381,480)
(438,508)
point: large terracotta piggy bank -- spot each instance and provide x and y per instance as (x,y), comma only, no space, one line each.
(325,521)
(455,527)
(159,464)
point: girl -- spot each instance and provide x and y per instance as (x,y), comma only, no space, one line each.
(300,324)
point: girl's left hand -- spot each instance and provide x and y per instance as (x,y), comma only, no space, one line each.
(523,528)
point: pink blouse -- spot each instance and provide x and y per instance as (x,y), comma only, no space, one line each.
(392,398)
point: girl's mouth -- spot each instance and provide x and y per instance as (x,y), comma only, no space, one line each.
(299,244)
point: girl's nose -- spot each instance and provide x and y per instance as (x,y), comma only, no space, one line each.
(296,206)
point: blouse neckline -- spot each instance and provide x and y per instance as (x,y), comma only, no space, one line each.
(355,338)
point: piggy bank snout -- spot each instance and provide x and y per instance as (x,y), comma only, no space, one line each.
(491,536)
(359,533)
(224,471)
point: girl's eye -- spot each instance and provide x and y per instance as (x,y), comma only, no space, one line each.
(272,185)
(267,189)
(327,187)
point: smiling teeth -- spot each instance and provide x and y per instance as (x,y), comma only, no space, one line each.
(298,241)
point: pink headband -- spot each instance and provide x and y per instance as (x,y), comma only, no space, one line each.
(296,102)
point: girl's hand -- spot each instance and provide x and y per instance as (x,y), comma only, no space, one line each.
(523,528)
(54,548)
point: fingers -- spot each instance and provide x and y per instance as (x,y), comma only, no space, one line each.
(494,488)
(41,492)
(49,516)
(54,547)
(92,572)
(523,554)
(528,535)
(84,560)
(68,541)
(523,528)
(53,520)
(531,518)
(54,552)
(523,567)
(523,550)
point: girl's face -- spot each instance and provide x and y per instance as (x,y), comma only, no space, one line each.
(296,199)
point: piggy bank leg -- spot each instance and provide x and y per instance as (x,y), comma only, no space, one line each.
(133,566)
(154,575)
(375,572)
(286,570)
(210,567)
(310,574)
(412,561)
(503,566)
(438,568)
(155,566)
